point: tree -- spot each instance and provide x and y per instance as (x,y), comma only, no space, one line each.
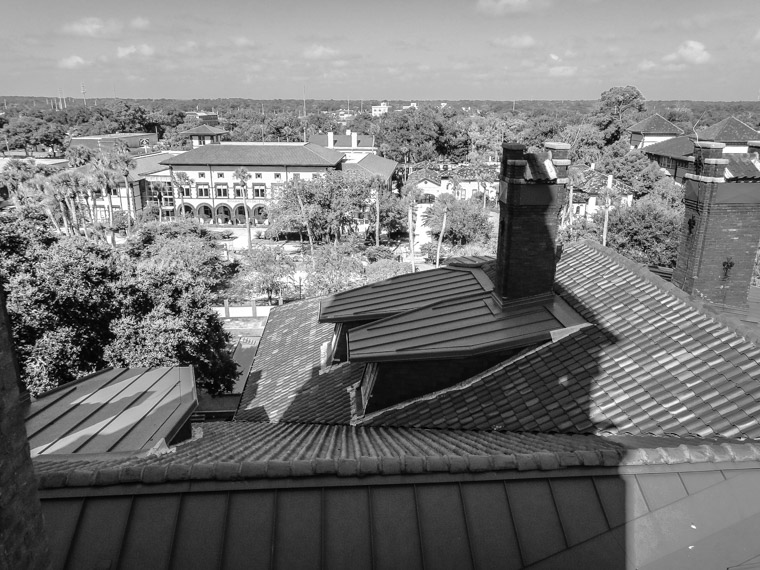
(243,176)
(385,269)
(617,108)
(181,180)
(333,269)
(79,155)
(466,221)
(264,269)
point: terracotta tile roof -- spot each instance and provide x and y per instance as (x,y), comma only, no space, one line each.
(594,182)
(651,363)
(729,130)
(378,166)
(655,124)
(402,293)
(259,450)
(677,147)
(285,383)
(308,154)
(742,166)
(425,174)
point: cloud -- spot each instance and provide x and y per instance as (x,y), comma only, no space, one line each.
(555,57)
(143,49)
(757,36)
(515,42)
(72,62)
(139,23)
(562,71)
(690,51)
(243,42)
(646,65)
(501,7)
(92,27)
(318,51)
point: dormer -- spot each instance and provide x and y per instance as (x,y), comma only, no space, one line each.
(204,134)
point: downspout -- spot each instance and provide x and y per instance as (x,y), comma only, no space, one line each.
(212,192)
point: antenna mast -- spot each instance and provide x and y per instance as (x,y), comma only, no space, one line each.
(84,94)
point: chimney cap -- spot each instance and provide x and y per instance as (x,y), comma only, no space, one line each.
(557,145)
(513,146)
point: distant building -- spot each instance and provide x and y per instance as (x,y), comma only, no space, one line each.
(214,195)
(204,134)
(381,109)
(652,130)
(676,155)
(210,119)
(354,146)
(135,142)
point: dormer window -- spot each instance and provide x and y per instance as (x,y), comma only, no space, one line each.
(201,175)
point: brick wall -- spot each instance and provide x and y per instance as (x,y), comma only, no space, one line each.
(22,540)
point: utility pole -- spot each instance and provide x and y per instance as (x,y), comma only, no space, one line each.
(84,94)
(304,113)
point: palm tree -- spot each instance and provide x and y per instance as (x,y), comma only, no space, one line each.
(182,180)
(243,177)
(105,176)
(123,162)
(38,188)
(70,185)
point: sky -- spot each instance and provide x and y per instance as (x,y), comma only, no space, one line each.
(401,50)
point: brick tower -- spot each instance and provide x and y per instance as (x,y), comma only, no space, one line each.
(720,232)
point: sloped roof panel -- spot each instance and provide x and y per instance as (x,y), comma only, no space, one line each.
(655,124)
(402,293)
(204,130)
(120,410)
(258,155)
(729,130)
(677,147)
(742,166)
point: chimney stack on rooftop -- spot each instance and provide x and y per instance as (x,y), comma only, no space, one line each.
(720,231)
(330,140)
(531,195)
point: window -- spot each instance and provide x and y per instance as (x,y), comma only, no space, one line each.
(186,191)
(257,176)
(296,176)
(238,191)
(220,174)
(221,190)
(201,175)
(115,191)
(203,191)
(277,175)
(168,201)
(259,191)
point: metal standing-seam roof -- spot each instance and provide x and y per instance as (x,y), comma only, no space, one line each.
(459,328)
(116,410)
(307,154)
(402,293)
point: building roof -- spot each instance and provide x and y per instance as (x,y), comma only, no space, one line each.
(403,293)
(344,141)
(650,363)
(456,328)
(655,125)
(677,147)
(204,130)
(729,130)
(113,136)
(594,182)
(373,165)
(425,174)
(307,154)
(116,410)
(742,166)
(285,382)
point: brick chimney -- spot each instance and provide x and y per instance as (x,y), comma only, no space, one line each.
(531,194)
(720,232)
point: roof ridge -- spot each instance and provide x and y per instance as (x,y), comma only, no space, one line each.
(151,473)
